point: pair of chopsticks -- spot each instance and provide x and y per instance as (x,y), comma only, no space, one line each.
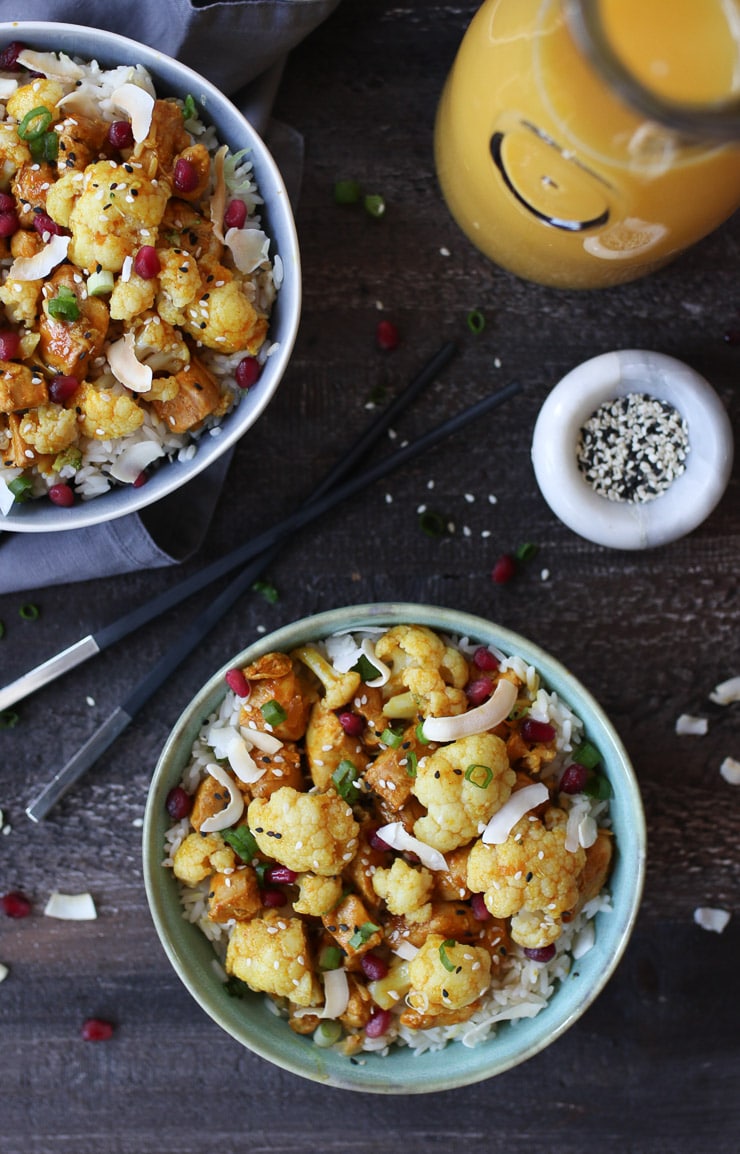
(259,552)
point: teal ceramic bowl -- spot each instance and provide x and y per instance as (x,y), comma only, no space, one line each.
(249,1019)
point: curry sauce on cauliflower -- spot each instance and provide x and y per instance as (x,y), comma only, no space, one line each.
(135,281)
(391,833)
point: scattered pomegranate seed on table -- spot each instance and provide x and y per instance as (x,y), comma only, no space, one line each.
(387,335)
(96,1030)
(504,569)
(15,904)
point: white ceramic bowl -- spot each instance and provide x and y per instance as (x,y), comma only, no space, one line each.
(173,79)
(250,1021)
(690,498)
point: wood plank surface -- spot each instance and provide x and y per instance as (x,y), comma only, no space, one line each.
(654,1064)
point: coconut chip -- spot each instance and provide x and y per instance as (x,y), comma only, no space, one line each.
(336,997)
(139,106)
(479,720)
(686,725)
(42,263)
(71,907)
(711,919)
(58,66)
(126,367)
(132,461)
(730,770)
(512,811)
(249,247)
(233,811)
(395,836)
(726,692)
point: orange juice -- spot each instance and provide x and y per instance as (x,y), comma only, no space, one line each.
(554,175)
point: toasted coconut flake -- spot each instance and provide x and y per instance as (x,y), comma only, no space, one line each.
(730,770)
(7,500)
(406,950)
(228,742)
(4,971)
(686,725)
(42,263)
(233,811)
(512,811)
(726,692)
(248,246)
(133,460)
(478,720)
(336,997)
(138,105)
(126,367)
(58,66)
(217,206)
(712,919)
(7,87)
(71,907)
(395,836)
(265,742)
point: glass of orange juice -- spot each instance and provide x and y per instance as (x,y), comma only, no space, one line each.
(585,143)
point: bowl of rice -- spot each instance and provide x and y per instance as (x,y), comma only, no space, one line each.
(150,284)
(394,848)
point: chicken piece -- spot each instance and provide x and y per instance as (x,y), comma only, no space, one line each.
(18,453)
(234,895)
(449,919)
(531,878)
(368,703)
(199,157)
(528,756)
(225,319)
(597,867)
(447,975)
(157,344)
(130,298)
(104,414)
(327,744)
(452,885)
(359,1005)
(277,677)
(404,888)
(461,785)
(391,774)
(281,768)
(49,429)
(210,798)
(416,1020)
(167,137)
(197,397)
(318,895)
(30,186)
(182,227)
(13,153)
(272,954)
(80,141)
(308,832)
(352,928)
(339,688)
(408,814)
(38,93)
(197,856)
(20,388)
(70,346)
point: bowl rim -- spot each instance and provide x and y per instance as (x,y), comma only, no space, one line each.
(309,1061)
(121,501)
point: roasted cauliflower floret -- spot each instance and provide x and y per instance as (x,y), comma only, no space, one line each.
(339,688)
(13,152)
(179,284)
(197,857)
(426,675)
(317,895)
(104,414)
(22,297)
(447,975)
(308,832)
(131,297)
(39,93)
(225,319)
(30,186)
(404,888)
(49,428)
(272,954)
(461,785)
(531,878)
(157,344)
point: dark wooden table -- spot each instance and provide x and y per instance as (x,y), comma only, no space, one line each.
(654,1064)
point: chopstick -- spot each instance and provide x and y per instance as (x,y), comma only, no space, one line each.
(122,716)
(94,643)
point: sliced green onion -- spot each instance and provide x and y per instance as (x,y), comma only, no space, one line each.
(474,772)
(366,669)
(347,191)
(599,787)
(64,307)
(236,988)
(100,283)
(268,591)
(433,524)
(330,958)
(527,551)
(273,712)
(261,868)
(362,935)
(9,719)
(412,763)
(188,108)
(45,147)
(448,965)
(518,712)
(71,458)
(587,754)
(344,778)
(392,737)
(29,611)
(476,321)
(21,487)
(374,205)
(420,734)
(327,1033)
(242,841)
(35,123)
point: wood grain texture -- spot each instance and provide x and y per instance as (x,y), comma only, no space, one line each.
(653,1066)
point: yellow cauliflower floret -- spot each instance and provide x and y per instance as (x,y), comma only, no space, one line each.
(21,299)
(13,153)
(403,888)
(131,297)
(531,878)
(271,954)
(179,283)
(61,197)
(225,319)
(49,428)
(197,857)
(104,414)
(427,676)
(159,345)
(308,832)
(40,93)
(427,695)
(436,986)
(318,895)
(461,786)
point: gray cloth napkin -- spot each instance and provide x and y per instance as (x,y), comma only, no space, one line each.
(240,45)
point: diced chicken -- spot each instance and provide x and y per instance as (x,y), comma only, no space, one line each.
(198,396)
(70,346)
(20,388)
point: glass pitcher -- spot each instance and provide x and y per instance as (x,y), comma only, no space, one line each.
(585,143)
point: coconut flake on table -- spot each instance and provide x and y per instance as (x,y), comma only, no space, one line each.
(395,836)
(42,263)
(232,811)
(730,770)
(726,692)
(687,725)
(710,918)
(71,907)
(138,105)
(512,811)
(134,460)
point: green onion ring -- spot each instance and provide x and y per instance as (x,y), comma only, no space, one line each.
(448,965)
(29,611)
(487,779)
(476,321)
(41,114)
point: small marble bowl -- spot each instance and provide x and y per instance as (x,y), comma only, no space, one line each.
(688,500)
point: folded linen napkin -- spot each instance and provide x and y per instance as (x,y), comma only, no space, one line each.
(200,34)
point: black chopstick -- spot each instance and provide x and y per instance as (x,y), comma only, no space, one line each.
(93,643)
(121,717)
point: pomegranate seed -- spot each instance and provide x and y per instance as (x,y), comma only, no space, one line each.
(504,569)
(387,335)
(9,223)
(7,202)
(280,875)
(9,344)
(61,388)
(142,479)
(480,910)
(236,680)
(248,372)
(15,904)
(351,723)
(540,953)
(574,778)
(97,1030)
(236,214)
(62,494)
(478,691)
(9,56)
(484,659)
(376,842)
(120,134)
(273,899)
(185,177)
(146,263)
(379,1024)
(532,730)
(374,967)
(179,803)
(44,225)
